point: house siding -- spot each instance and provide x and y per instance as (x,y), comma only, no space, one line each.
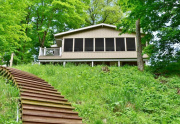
(94,55)
(98,32)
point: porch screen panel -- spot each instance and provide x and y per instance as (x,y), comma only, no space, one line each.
(88,44)
(120,45)
(109,44)
(130,42)
(68,45)
(78,46)
(99,44)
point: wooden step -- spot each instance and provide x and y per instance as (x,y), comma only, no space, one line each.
(38,89)
(21,72)
(25,76)
(41,93)
(26,122)
(22,81)
(50,120)
(29,80)
(56,99)
(48,108)
(37,86)
(48,104)
(45,100)
(51,114)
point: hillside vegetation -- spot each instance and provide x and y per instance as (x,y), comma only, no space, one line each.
(123,95)
(9,96)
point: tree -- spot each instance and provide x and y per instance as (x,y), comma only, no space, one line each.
(160,17)
(50,16)
(12,13)
(103,11)
(130,22)
(139,47)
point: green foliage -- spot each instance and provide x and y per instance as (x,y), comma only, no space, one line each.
(103,11)
(160,17)
(170,69)
(12,31)
(9,96)
(123,95)
(51,16)
(22,21)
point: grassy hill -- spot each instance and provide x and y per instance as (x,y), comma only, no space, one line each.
(123,95)
(8,103)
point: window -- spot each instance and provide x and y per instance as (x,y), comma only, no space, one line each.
(109,44)
(68,45)
(99,44)
(88,44)
(130,42)
(120,45)
(78,45)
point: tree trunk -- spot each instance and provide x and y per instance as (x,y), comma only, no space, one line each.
(139,47)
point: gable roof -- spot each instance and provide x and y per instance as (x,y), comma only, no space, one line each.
(85,28)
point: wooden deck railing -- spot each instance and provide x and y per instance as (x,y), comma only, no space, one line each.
(50,51)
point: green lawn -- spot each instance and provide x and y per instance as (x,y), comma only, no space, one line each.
(124,95)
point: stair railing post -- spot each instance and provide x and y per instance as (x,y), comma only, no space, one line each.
(17,118)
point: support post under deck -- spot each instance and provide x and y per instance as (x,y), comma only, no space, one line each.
(92,63)
(119,64)
(64,63)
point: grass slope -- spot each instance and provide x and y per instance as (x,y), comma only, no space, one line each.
(9,96)
(124,95)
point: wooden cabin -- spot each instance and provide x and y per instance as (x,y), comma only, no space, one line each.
(96,44)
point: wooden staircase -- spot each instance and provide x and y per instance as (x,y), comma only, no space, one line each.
(40,102)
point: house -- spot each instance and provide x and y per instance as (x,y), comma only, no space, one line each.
(94,44)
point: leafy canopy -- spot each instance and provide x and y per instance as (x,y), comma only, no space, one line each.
(12,31)
(160,17)
(103,11)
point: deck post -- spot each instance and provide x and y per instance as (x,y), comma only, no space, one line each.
(39,51)
(119,64)
(44,51)
(64,63)
(60,51)
(92,63)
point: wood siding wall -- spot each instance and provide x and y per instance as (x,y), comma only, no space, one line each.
(100,32)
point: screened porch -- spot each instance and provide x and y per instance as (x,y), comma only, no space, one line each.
(99,44)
